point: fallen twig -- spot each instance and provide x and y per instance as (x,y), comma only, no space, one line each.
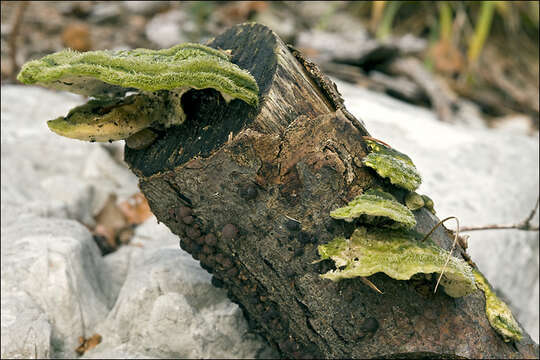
(451,250)
(523,225)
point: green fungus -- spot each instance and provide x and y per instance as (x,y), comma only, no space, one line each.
(399,255)
(374,207)
(108,119)
(392,164)
(381,193)
(428,203)
(182,67)
(498,313)
(159,76)
(414,201)
(374,146)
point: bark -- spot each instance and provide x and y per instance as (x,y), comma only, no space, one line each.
(249,193)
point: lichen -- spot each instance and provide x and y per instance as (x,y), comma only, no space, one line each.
(376,206)
(498,313)
(399,255)
(184,66)
(392,164)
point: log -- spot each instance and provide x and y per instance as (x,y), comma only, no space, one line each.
(249,192)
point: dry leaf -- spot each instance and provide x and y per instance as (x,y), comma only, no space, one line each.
(110,221)
(135,209)
(447,58)
(87,344)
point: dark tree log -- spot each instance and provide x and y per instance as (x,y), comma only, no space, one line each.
(249,193)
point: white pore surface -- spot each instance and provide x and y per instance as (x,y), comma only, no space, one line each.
(150,299)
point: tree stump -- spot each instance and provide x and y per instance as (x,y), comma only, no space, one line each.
(249,192)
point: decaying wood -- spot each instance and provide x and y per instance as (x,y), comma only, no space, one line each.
(249,193)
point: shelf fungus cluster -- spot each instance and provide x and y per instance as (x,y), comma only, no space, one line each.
(385,241)
(393,165)
(158,78)
(399,255)
(498,313)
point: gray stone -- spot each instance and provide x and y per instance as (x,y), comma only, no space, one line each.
(145,7)
(168,308)
(103,12)
(56,264)
(26,330)
(166,29)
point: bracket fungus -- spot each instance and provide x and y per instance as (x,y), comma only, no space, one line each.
(160,77)
(393,165)
(376,207)
(498,313)
(399,255)
(428,204)
(414,201)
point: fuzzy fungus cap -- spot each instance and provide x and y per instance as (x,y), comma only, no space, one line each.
(160,76)
(399,255)
(100,73)
(376,206)
(393,165)
(498,313)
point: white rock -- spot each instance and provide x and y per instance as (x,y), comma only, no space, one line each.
(166,29)
(26,330)
(57,264)
(49,175)
(516,124)
(168,308)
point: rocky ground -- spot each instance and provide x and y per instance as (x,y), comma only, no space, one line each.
(151,299)
(147,298)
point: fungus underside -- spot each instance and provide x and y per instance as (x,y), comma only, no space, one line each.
(160,77)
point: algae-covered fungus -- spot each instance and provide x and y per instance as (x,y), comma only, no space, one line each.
(414,201)
(428,204)
(109,119)
(376,209)
(498,313)
(393,165)
(399,255)
(160,77)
